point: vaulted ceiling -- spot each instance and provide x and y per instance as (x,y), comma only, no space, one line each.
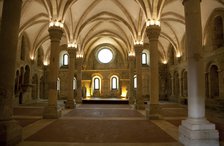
(119,23)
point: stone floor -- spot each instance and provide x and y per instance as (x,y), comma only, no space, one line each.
(105,125)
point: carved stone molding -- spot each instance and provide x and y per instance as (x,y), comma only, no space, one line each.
(153,32)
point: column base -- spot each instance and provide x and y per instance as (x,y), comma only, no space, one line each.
(198,132)
(139,106)
(131,101)
(70,104)
(10,133)
(78,100)
(153,112)
(51,112)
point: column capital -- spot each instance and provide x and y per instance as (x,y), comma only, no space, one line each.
(138,48)
(79,60)
(72,52)
(55,33)
(153,32)
(131,58)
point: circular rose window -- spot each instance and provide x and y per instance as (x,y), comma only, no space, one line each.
(105,55)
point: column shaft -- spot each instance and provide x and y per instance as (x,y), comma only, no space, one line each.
(10,131)
(70,99)
(153,33)
(51,110)
(131,79)
(139,98)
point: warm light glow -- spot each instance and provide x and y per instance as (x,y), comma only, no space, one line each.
(46,63)
(164,61)
(72,45)
(178,54)
(79,55)
(31,57)
(138,43)
(105,55)
(152,22)
(88,92)
(131,54)
(123,92)
(56,23)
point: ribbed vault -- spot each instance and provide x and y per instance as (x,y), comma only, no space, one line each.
(120,23)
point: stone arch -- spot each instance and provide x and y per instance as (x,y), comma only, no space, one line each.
(218,36)
(214,30)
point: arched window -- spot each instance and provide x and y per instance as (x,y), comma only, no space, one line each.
(144,58)
(65,59)
(58,84)
(135,81)
(114,83)
(96,84)
(74,84)
(218,32)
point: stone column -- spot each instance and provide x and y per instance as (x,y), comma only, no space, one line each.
(131,79)
(10,131)
(71,70)
(196,130)
(139,99)
(153,32)
(51,111)
(78,98)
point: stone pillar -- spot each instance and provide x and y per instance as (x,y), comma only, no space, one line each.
(51,111)
(10,131)
(139,99)
(131,79)
(71,70)
(78,98)
(196,130)
(153,32)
